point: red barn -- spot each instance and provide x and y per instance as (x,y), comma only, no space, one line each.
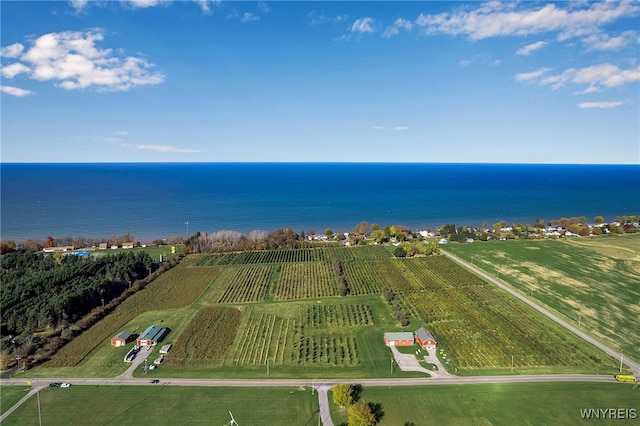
(425,338)
(121,339)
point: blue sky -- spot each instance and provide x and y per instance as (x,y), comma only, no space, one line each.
(170,81)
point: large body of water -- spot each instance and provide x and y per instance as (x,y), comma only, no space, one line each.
(166,200)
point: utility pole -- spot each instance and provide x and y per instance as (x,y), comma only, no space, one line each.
(267,366)
(512,363)
(621,360)
(313,385)
(392,366)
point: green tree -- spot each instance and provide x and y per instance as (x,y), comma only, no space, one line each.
(342,394)
(599,220)
(375,227)
(378,236)
(399,252)
(328,232)
(596,230)
(361,415)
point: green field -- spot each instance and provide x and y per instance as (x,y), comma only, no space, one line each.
(591,282)
(162,405)
(497,404)
(9,395)
(280,315)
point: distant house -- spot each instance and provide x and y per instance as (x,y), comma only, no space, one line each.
(121,339)
(398,338)
(58,249)
(127,245)
(152,335)
(425,338)
(102,246)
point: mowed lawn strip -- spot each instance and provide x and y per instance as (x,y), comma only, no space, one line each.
(168,405)
(496,404)
(592,283)
(9,395)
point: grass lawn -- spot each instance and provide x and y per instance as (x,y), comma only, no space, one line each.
(9,395)
(591,282)
(165,405)
(496,404)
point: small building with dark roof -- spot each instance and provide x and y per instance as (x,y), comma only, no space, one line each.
(425,338)
(152,335)
(403,338)
(121,339)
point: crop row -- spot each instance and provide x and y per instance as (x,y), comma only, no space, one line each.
(369,276)
(337,315)
(293,256)
(481,327)
(176,288)
(305,280)
(440,273)
(247,284)
(206,340)
(328,350)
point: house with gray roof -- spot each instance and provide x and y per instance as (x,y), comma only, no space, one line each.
(425,338)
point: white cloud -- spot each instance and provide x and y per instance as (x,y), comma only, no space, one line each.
(73,60)
(596,77)
(10,71)
(264,7)
(398,24)
(79,5)
(248,17)
(143,3)
(606,104)
(319,18)
(14,91)
(162,148)
(526,50)
(496,19)
(526,76)
(601,41)
(12,51)
(395,128)
(363,25)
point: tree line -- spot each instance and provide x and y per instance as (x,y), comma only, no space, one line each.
(45,291)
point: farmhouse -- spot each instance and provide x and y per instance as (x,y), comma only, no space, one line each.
(425,338)
(128,245)
(152,335)
(398,338)
(121,339)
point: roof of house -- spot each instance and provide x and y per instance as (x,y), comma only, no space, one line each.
(400,335)
(153,333)
(122,335)
(423,334)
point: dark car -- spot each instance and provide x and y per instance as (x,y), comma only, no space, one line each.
(154,381)
(55,385)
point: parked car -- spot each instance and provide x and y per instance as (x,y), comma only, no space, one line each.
(154,381)
(55,385)
(65,385)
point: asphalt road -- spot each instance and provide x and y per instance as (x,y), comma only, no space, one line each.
(634,366)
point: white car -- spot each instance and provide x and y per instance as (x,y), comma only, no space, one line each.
(65,385)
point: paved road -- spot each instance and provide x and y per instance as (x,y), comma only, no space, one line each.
(322,389)
(634,366)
